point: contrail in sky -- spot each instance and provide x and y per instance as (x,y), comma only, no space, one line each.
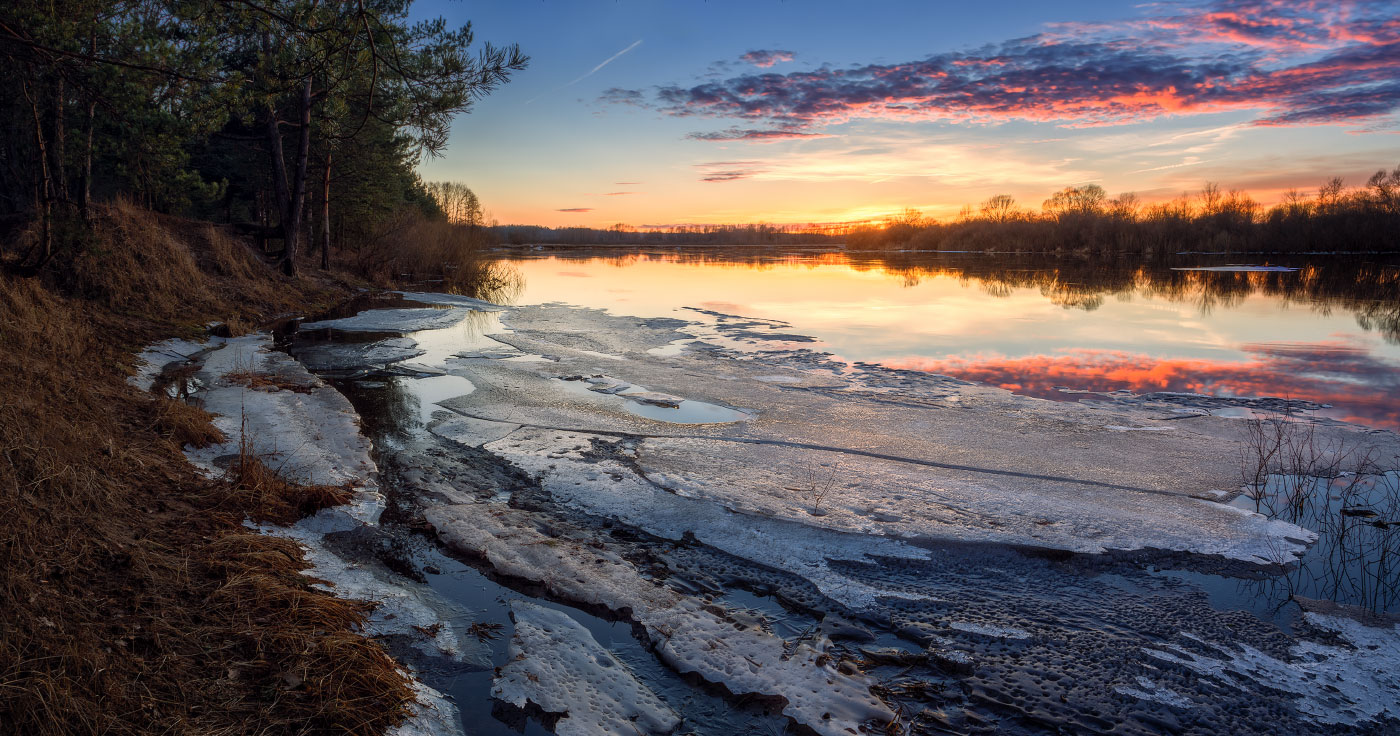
(606,61)
(592,71)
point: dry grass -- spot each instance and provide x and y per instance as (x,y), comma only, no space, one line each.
(132,600)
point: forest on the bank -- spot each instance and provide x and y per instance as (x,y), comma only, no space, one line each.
(1085,219)
(298,123)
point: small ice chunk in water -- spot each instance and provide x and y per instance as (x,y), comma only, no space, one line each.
(991,630)
(557,665)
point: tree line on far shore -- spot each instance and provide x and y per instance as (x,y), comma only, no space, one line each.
(1085,218)
(684,235)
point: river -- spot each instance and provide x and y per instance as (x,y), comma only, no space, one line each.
(813,490)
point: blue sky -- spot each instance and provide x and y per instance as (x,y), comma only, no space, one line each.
(872,108)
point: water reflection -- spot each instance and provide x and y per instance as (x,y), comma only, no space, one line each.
(1358,386)
(1324,329)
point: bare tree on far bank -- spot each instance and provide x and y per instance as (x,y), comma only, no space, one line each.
(1085,218)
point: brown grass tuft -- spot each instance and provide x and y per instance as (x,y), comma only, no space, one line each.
(266,495)
(186,424)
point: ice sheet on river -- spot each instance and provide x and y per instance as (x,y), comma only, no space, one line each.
(874,451)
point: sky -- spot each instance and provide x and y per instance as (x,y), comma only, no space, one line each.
(667,112)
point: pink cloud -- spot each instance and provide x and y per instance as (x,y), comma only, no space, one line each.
(1304,63)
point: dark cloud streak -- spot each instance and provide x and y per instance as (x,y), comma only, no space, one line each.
(767,57)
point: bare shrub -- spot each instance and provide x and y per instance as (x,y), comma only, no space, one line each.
(817,481)
(412,248)
(1338,488)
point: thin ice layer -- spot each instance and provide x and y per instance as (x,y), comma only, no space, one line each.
(341,357)
(451,300)
(557,665)
(878,452)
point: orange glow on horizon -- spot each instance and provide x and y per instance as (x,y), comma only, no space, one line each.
(883,215)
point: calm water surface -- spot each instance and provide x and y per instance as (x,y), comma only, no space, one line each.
(1324,329)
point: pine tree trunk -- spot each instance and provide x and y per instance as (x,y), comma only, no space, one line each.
(59,135)
(326,213)
(85,194)
(44,195)
(296,204)
(279,174)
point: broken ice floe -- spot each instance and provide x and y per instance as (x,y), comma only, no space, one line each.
(612,490)
(469,431)
(656,405)
(451,300)
(338,357)
(394,320)
(1238,268)
(688,634)
(152,360)
(557,665)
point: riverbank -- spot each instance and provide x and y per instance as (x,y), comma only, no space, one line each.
(133,599)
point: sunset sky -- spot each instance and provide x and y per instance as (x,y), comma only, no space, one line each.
(654,113)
